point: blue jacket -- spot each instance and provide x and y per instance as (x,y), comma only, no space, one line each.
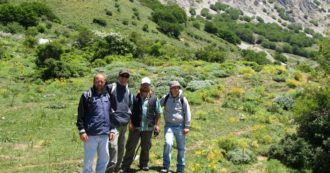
(94,113)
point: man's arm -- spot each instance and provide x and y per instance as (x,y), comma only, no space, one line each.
(81,115)
(80,119)
(187,116)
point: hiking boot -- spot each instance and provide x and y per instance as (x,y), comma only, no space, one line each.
(122,170)
(164,170)
(144,168)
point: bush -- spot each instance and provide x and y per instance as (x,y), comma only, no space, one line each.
(197,85)
(52,50)
(197,25)
(26,14)
(3,52)
(210,54)
(280,57)
(14,28)
(258,57)
(280,78)
(30,41)
(113,45)
(284,102)
(85,38)
(293,151)
(145,28)
(61,69)
(241,156)
(192,12)
(108,12)
(170,19)
(100,22)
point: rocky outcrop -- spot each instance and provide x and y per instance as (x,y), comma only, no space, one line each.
(314,14)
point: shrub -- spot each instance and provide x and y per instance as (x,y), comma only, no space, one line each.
(3,52)
(14,28)
(85,38)
(145,28)
(100,22)
(279,78)
(99,63)
(27,13)
(170,19)
(220,73)
(292,151)
(125,22)
(52,50)
(236,91)
(258,57)
(196,85)
(30,41)
(210,54)
(61,69)
(285,102)
(192,12)
(241,156)
(280,57)
(197,25)
(108,12)
(31,31)
(113,45)
(292,83)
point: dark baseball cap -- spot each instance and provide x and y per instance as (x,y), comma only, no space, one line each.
(123,72)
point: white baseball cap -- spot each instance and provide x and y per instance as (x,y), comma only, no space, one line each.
(146,80)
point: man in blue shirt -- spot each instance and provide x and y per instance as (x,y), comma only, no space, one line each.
(144,121)
(93,123)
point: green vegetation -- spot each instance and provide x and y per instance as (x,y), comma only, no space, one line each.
(246,110)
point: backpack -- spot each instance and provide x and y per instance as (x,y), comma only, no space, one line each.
(113,88)
(168,95)
(182,102)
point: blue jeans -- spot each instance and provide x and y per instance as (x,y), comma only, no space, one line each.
(177,132)
(99,145)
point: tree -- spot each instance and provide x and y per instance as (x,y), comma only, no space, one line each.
(170,19)
(324,55)
(52,50)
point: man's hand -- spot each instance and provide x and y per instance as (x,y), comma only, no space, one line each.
(131,127)
(84,137)
(156,130)
(185,131)
(112,136)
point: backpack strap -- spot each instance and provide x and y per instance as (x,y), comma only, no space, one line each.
(166,98)
(182,103)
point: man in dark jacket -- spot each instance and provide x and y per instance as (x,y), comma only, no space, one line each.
(120,115)
(144,121)
(93,123)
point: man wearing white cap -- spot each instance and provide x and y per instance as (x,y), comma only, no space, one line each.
(144,121)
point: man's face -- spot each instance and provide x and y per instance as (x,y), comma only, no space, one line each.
(175,91)
(99,82)
(145,87)
(123,79)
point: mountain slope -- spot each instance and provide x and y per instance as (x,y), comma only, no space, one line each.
(311,14)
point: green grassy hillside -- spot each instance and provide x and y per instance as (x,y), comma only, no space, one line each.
(241,103)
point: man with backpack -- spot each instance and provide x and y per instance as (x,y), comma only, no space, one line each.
(121,102)
(144,121)
(177,121)
(93,123)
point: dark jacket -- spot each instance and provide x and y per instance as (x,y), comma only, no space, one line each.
(120,104)
(93,113)
(137,111)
